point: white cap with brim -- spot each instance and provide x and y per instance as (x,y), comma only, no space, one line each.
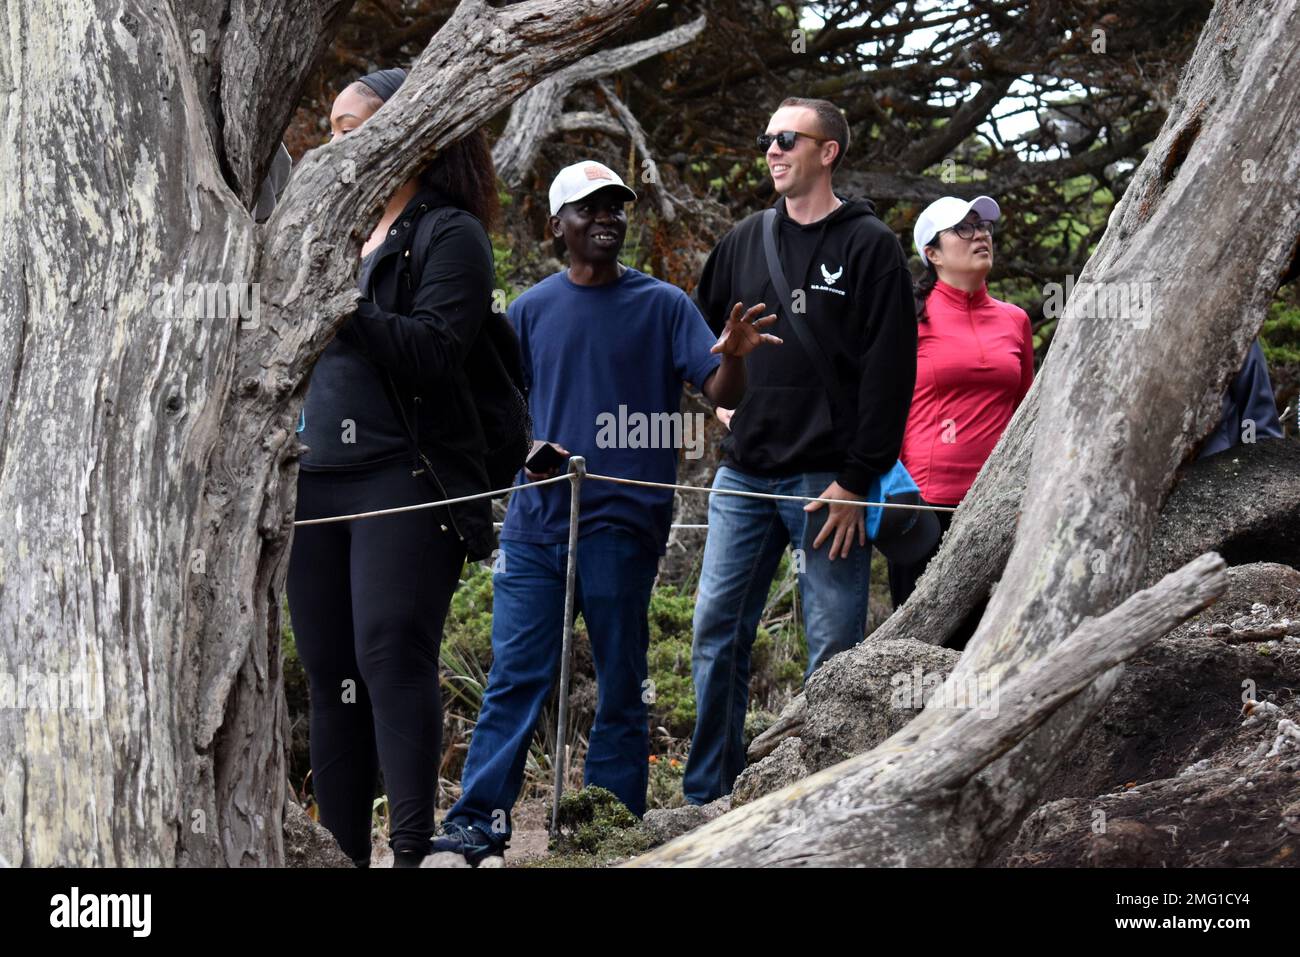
(945,213)
(582,179)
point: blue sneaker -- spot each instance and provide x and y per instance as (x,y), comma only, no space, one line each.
(473,842)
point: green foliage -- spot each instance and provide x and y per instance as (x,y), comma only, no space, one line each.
(598,828)
(468,630)
(665,788)
(669,660)
(1281,333)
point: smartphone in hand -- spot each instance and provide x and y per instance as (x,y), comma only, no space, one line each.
(544,459)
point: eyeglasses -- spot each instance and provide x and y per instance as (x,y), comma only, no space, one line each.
(969,230)
(785,139)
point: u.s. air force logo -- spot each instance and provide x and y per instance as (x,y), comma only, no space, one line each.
(831,278)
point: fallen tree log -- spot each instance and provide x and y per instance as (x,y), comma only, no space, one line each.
(900,804)
(1243,504)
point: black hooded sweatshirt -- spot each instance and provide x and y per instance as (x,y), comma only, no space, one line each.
(857,302)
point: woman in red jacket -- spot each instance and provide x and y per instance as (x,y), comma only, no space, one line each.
(975,362)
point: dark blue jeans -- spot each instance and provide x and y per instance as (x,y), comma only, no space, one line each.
(614,577)
(746,539)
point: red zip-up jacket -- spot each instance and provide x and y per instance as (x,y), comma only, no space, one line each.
(974,363)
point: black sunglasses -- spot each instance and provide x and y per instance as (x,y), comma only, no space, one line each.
(785,139)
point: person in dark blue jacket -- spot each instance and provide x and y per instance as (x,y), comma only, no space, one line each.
(1249,409)
(390,421)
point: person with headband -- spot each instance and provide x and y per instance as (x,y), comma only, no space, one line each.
(390,420)
(974,363)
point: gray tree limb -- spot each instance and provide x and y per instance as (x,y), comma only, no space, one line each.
(537,114)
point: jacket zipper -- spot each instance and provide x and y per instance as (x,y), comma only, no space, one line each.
(970,317)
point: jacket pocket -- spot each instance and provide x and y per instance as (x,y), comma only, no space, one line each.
(780,426)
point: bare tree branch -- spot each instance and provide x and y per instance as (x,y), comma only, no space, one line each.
(535,115)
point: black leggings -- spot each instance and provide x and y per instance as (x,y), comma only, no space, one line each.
(904,576)
(368,599)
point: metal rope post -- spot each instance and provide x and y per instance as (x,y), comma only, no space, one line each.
(577,470)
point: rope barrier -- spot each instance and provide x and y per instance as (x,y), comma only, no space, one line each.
(577,474)
(416,508)
(623,481)
(769,495)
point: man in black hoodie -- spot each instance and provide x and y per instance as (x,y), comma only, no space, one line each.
(797,433)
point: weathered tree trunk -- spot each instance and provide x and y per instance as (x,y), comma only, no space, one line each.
(147,461)
(1205,231)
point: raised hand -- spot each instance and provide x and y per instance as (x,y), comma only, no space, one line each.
(741,335)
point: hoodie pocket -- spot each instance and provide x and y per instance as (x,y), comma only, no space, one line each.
(777,426)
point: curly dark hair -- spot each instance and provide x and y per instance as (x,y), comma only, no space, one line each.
(464,172)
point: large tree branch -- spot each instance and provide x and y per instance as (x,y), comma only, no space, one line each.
(338,190)
(536,114)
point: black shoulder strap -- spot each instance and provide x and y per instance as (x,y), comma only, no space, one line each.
(425,227)
(777,274)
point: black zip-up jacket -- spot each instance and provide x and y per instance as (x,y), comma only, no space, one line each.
(857,297)
(418,327)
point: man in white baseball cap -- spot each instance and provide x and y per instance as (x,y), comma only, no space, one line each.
(602,343)
(945,213)
(582,179)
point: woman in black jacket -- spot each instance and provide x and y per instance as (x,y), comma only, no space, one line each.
(390,421)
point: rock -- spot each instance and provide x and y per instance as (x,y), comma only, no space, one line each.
(1243,504)
(1258,594)
(783,766)
(1182,698)
(788,724)
(306,843)
(664,824)
(1177,771)
(860,698)
(1220,815)
(852,703)
(448,859)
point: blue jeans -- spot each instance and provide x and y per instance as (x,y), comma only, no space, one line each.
(615,575)
(746,539)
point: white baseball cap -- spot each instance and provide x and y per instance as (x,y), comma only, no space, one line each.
(582,179)
(945,213)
